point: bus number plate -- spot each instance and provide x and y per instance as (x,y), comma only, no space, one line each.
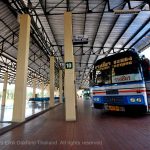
(113,108)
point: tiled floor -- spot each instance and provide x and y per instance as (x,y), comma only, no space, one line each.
(2,125)
(93,130)
(31,109)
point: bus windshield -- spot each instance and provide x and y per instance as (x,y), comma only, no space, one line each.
(123,68)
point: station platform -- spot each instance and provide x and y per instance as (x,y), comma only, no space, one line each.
(93,130)
(32,109)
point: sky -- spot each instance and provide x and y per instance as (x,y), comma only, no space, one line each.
(146,53)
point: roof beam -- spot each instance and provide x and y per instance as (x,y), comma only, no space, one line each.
(126,28)
(37,34)
(53,7)
(136,33)
(77,5)
(80,46)
(95,34)
(68,5)
(106,38)
(111,29)
(83,34)
(139,38)
(50,24)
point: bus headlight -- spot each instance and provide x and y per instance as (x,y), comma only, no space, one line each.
(139,100)
(132,100)
(96,99)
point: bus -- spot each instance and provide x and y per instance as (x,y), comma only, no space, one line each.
(121,82)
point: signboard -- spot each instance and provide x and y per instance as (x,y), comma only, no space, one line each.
(103,66)
(115,64)
(125,78)
(80,39)
(68,65)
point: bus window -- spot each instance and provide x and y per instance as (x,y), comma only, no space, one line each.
(103,77)
(128,69)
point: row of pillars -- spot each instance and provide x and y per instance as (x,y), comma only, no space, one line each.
(34,87)
(22,68)
(4,88)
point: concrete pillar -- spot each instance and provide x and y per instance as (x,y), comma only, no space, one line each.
(22,69)
(60,87)
(42,89)
(52,81)
(69,73)
(34,88)
(4,88)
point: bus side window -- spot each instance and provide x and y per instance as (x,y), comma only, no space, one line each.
(146,69)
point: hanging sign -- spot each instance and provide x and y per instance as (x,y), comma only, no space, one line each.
(68,65)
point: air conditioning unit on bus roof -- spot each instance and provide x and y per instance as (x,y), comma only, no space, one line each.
(80,39)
